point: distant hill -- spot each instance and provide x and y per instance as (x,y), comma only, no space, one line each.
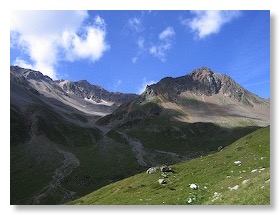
(239,174)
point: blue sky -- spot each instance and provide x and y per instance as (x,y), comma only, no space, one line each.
(125,50)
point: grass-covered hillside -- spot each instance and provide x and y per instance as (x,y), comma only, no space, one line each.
(220,180)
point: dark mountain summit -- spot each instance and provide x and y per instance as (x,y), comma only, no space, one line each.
(203,81)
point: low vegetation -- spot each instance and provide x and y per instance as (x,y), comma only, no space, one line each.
(237,174)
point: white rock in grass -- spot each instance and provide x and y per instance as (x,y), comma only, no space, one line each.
(254,170)
(161,181)
(245,181)
(216,196)
(234,188)
(193,186)
(151,170)
(237,163)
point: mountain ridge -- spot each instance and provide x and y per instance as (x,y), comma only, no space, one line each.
(68,139)
(82,88)
(200,96)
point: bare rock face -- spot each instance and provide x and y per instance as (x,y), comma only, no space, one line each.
(95,93)
(202,81)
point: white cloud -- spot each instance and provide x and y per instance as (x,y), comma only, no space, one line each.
(22,63)
(134,59)
(167,33)
(141,49)
(135,24)
(140,43)
(92,46)
(144,84)
(205,23)
(166,42)
(48,37)
(160,50)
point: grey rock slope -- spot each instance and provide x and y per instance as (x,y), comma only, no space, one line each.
(81,95)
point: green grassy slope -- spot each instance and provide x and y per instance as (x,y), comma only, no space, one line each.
(215,175)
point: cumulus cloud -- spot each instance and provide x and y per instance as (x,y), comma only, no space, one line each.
(22,63)
(144,84)
(92,46)
(48,37)
(166,40)
(205,23)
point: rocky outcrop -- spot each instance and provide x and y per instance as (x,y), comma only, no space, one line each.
(202,81)
(152,170)
(165,168)
(84,89)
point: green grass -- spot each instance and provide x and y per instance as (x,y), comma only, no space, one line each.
(31,168)
(63,133)
(116,136)
(160,133)
(19,130)
(214,173)
(100,166)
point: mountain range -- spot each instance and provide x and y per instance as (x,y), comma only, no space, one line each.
(71,138)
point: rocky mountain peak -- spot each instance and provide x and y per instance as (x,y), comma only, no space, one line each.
(29,74)
(149,92)
(201,72)
(201,81)
(208,82)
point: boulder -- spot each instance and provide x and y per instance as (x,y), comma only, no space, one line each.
(161,181)
(151,170)
(165,168)
(237,163)
(193,186)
